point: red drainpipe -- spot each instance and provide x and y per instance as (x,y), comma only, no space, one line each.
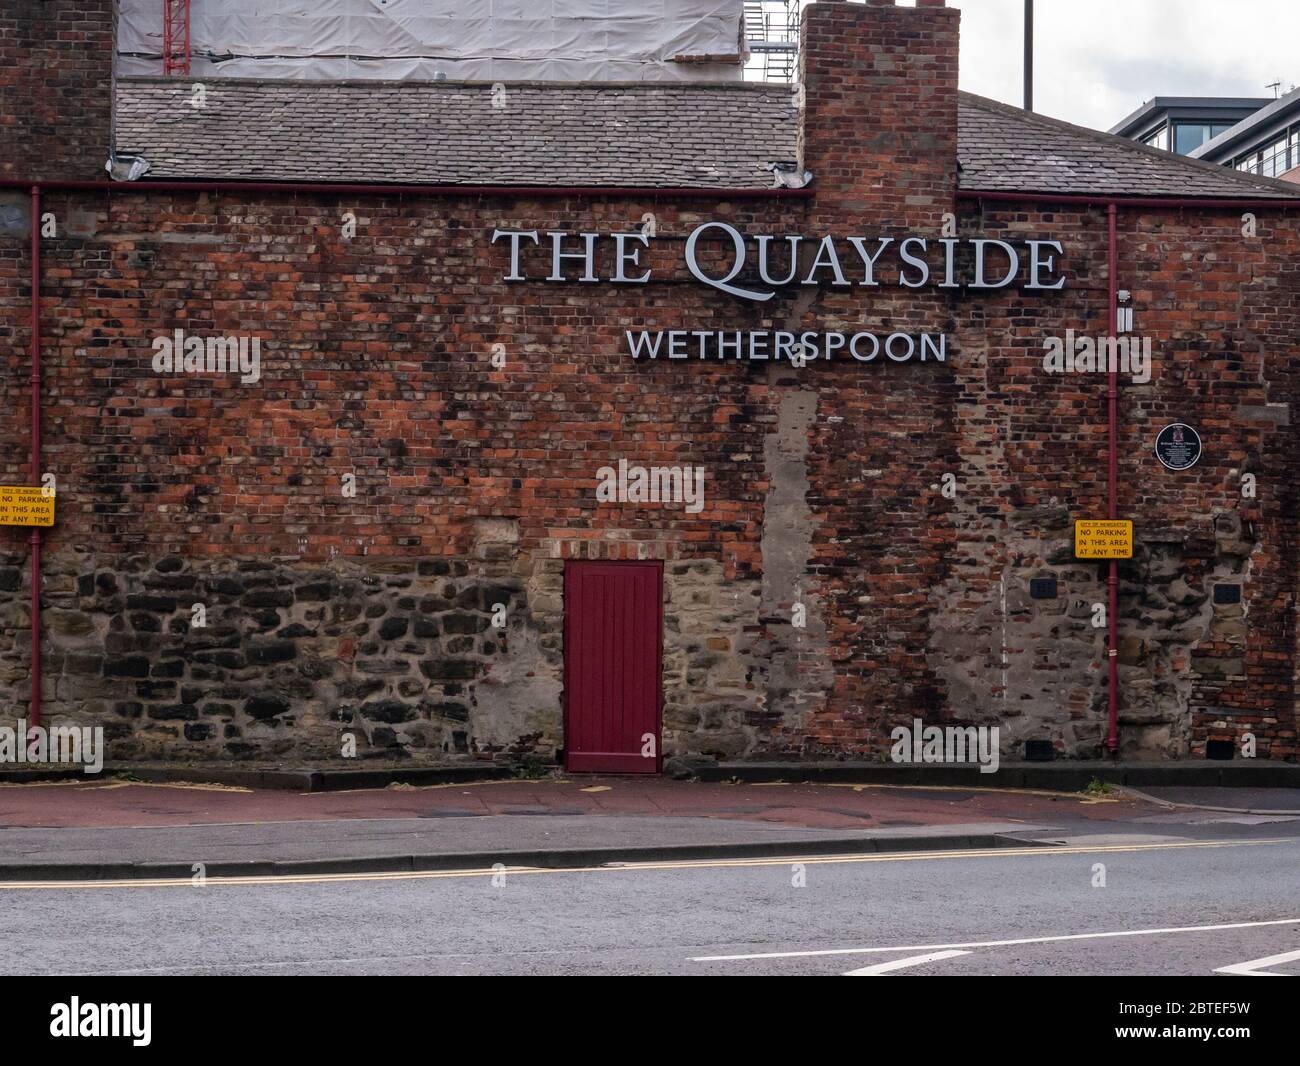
(1112,204)
(34,714)
(1112,483)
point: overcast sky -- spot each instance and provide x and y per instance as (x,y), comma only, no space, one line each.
(1097,60)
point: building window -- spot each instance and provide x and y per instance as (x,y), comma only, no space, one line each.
(1188,136)
(1158,138)
(1273,158)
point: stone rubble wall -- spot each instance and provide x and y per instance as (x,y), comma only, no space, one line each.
(403,656)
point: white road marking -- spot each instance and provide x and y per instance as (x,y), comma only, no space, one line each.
(902,964)
(1254,968)
(998,943)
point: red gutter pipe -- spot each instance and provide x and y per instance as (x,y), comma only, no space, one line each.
(1124,201)
(34,713)
(545,192)
(1112,205)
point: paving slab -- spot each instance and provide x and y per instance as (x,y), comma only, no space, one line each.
(1238,800)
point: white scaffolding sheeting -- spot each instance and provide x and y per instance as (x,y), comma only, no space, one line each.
(477,40)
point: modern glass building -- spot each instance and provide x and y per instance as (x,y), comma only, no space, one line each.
(1257,136)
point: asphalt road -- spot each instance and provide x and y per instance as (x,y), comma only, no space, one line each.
(849,914)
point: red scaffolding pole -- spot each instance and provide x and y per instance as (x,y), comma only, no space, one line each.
(176,36)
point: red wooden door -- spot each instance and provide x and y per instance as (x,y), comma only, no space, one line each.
(613,620)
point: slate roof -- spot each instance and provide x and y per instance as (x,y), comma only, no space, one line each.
(1004,148)
(720,136)
(693,135)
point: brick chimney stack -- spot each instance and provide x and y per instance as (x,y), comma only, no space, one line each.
(879,124)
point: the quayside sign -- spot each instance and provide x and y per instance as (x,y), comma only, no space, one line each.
(757,267)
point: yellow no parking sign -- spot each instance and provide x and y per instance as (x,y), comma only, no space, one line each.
(25,505)
(1103,538)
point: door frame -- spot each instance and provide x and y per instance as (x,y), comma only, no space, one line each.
(658,566)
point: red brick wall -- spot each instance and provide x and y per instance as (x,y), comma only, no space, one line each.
(55,87)
(375,361)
